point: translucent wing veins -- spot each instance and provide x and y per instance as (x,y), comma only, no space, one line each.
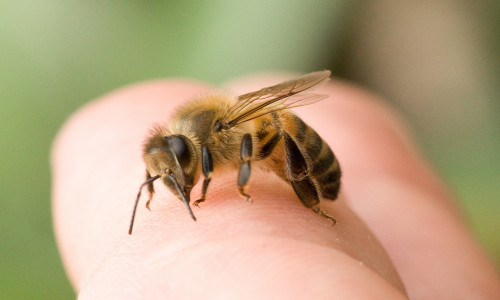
(285,95)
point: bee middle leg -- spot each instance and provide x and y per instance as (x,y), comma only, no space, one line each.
(244,173)
(269,146)
(208,168)
(246,155)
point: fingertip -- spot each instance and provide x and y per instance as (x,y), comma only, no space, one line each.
(97,169)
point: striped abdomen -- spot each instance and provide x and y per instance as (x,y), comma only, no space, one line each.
(301,157)
(322,165)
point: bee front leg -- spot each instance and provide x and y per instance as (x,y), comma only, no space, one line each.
(151,189)
(208,168)
(149,184)
(244,173)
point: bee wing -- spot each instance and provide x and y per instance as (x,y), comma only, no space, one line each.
(285,95)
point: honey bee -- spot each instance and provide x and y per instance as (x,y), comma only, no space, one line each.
(215,131)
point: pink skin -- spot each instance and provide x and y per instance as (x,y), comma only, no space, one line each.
(398,233)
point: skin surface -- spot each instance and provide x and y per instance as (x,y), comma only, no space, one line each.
(398,232)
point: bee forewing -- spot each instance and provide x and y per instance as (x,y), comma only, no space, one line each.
(291,102)
(276,97)
(287,88)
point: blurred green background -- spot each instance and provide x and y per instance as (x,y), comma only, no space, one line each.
(438,63)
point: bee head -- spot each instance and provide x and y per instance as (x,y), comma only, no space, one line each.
(174,158)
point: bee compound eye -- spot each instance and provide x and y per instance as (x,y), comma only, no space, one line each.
(179,146)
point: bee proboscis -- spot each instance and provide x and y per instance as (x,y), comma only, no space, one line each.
(218,130)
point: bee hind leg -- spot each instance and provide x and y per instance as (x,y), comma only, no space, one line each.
(300,181)
(308,195)
(244,173)
(322,213)
(208,168)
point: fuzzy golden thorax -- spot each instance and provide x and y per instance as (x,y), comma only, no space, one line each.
(196,121)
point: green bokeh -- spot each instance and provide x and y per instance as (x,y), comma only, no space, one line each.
(57,55)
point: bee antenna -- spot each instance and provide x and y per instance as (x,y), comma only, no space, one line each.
(151,179)
(179,190)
